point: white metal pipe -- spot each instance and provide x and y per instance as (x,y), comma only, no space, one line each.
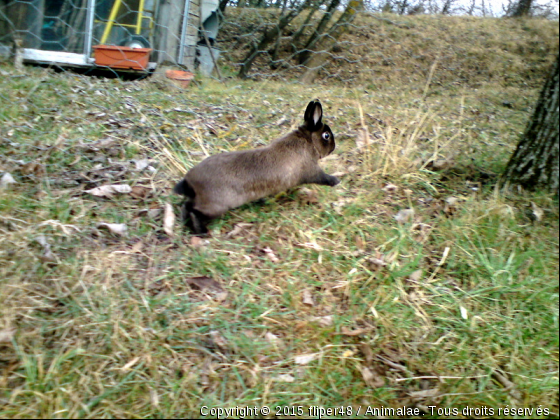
(184,31)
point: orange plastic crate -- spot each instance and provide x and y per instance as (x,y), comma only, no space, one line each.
(121,57)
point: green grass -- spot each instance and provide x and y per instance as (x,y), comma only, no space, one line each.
(111,327)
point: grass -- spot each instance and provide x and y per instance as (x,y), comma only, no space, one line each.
(456,307)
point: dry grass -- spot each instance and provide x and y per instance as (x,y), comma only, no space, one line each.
(382,51)
(456,306)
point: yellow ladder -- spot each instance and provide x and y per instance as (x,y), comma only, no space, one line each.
(113,15)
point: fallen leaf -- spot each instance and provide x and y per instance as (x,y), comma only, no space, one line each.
(76,160)
(218,339)
(311,245)
(284,378)
(451,205)
(404,216)
(270,254)
(33,168)
(508,385)
(139,192)
(116,228)
(363,139)
(67,229)
(281,121)
(538,213)
(307,298)
(415,276)
(347,354)
(440,164)
(324,321)
(221,296)
(6,180)
(137,247)
(308,196)
(300,325)
(304,359)
(109,190)
(142,164)
(198,242)
(154,398)
(339,205)
(376,263)
(203,282)
(153,213)
(168,219)
(360,244)
(421,231)
(371,379)
(47,255)
(426,393)
(390,188)
(130,363)
(452,201)
(365,348)
(352,333)
(238,228)
(6,335)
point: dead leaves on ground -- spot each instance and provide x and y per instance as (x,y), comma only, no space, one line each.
(404,216)
(207,286)
(118,229)
(168,219)
(47,255)
(108,191)
(6,180)
(200,288)
(204,283)
(6,335)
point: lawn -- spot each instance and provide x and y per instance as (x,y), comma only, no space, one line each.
(414,283)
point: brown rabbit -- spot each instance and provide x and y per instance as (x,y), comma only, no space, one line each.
(228,180)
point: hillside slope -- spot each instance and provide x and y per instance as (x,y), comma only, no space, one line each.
(392,48)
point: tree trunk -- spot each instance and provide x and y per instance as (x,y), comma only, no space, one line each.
(402,6)
(446,9)
(268,36)
(274,56)
(522,8)
(534,164)
(222,7)
(318,59)
(318,32)
(297,35)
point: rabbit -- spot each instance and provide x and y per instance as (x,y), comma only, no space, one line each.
(227,180)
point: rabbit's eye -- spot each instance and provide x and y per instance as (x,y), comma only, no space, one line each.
(326,135)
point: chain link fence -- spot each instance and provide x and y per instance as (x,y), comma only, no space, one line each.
(308,40)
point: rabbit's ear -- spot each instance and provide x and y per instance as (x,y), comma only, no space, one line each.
(313,114)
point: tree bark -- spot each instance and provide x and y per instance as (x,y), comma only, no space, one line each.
(269,36)
(534,164)
(522,8)
(317,59)
(318,32)
(297,35)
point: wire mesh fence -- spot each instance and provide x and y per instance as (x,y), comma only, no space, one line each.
(366,52)
(87,167)
(307,40)
(64,32)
